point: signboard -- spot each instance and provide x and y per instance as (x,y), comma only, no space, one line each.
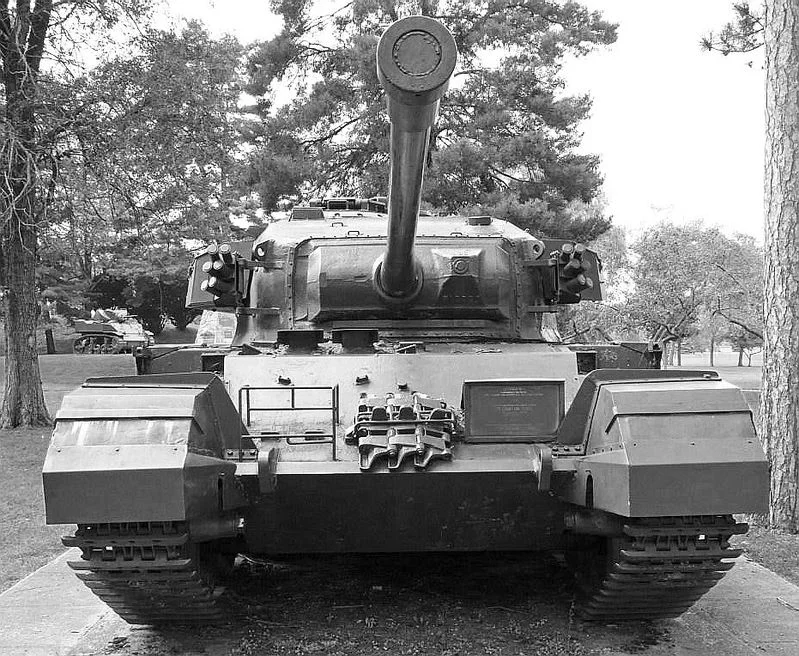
(512,410)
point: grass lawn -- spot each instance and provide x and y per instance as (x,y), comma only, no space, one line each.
(777,550)
(27,543)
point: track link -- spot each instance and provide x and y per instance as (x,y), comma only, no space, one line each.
(147,572)
(660,567)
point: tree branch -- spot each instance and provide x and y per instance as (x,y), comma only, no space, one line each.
(39,22)
(740,324)
(5,29)
(325,137)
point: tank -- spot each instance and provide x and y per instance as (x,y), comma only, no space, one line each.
(395,386)
(110,331)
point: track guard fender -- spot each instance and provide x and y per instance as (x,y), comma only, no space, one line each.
(660,443)
(144,448)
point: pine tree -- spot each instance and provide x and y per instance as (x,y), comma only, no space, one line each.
(507,136)
(778,27)
(779,396)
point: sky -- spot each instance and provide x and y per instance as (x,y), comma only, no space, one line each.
(248,20)
(680,132)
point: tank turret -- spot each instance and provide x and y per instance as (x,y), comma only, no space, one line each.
(382,264)
(415,60)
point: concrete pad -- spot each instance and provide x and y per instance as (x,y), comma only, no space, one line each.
(751,611)
(48,612)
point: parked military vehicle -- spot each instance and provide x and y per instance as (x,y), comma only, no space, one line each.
(393,387)
(110,331)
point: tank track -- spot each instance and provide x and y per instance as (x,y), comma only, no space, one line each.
(147,572)
(88,344)
(660,567)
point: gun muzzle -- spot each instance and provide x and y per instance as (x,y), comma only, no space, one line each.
(415,60)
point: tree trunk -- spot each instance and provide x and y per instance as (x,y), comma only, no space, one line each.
(741,356)
(679,353)
(712,351)
(779,400)
(23,401)
(22,45)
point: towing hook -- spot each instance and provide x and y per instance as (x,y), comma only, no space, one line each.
(542,467)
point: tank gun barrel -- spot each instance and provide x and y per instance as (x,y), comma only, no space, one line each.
(415,60)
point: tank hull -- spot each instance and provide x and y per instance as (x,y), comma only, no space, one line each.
(469,507)
(171,466)
(106,344)
(435,369)
(115,335)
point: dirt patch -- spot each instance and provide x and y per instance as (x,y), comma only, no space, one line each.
(410,604)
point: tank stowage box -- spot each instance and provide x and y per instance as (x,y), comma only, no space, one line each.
(393,385)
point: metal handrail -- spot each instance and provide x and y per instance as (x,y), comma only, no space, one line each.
(246,409)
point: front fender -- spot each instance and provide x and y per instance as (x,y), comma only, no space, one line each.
(141,449)
(656,445)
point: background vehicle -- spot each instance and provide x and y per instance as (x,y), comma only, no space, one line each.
(391,388)
(110,331)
